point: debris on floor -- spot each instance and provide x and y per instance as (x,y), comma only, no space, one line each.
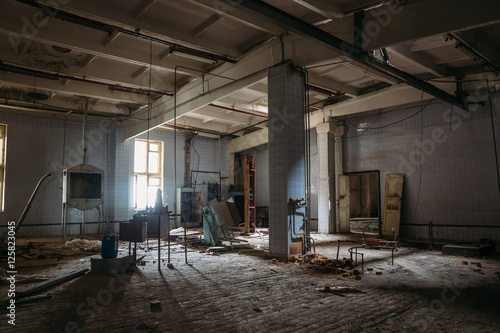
(81,244)
(155,306)
(25,279)
(321,263)
(340,291)
(50,284)
(147,325)
(35,262)
(188,304)
(31,299)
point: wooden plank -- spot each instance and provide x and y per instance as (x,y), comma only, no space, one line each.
(392,206)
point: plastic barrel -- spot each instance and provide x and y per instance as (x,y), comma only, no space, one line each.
(109,247)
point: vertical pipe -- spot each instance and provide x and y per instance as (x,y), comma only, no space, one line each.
(185,242)
(159,242)
(63,207)
(65,227)
(63,223)
(168,235)
(220,175)
(84,142)
(430,235)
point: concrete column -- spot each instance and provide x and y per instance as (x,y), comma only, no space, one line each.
(286,158)
(326,178)
(339,170)
(230,161)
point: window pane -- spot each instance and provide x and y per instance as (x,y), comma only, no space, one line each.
(154,147)
(154,181)
(140,156)
(154,166)
(152,195)
(140,192)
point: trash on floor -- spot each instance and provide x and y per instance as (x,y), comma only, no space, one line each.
(81,244)
(147,325)
(340,291)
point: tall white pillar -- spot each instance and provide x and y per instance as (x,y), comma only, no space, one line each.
(326,178)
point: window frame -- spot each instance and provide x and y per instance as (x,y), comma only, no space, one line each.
(149,175)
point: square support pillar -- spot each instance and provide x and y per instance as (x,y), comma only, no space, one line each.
(286,159)
(327,199)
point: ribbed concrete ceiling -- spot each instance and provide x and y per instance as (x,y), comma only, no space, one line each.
(128,58)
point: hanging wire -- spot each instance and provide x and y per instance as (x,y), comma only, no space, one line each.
(387,125)
(149,118)
(421,149)
(307,162)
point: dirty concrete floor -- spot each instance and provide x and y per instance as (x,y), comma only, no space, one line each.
(423,291)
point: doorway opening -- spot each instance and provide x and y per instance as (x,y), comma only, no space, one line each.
(364,202)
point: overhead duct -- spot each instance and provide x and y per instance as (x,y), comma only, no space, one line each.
(307,30)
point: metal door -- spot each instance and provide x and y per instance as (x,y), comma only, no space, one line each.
(392,205)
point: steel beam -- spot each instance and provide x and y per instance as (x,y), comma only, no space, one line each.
(397,95)
(306,30)
(393,24)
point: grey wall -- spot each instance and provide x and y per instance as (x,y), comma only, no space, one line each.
(208,155)
(35,146)
(453,183)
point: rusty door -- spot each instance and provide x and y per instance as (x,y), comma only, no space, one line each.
(392,205)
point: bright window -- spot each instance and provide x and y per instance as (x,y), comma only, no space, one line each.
(147,172)
(3,151)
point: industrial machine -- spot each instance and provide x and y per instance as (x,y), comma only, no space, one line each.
(83,189)
(83,186)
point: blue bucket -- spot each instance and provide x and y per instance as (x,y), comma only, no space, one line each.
(109,247)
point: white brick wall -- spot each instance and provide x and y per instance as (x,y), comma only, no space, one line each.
(458,183)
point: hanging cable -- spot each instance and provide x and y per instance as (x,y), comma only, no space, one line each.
(421,149)
(387,125)
(149,118)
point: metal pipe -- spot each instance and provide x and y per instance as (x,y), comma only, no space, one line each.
(220,175)
(63,206)
(84,142)
(70,17)
(238,110)
(159,241)
(309,31)
(43,108)
(30,201)
(245,128)
(51,284)
(191,129)
(57,76)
